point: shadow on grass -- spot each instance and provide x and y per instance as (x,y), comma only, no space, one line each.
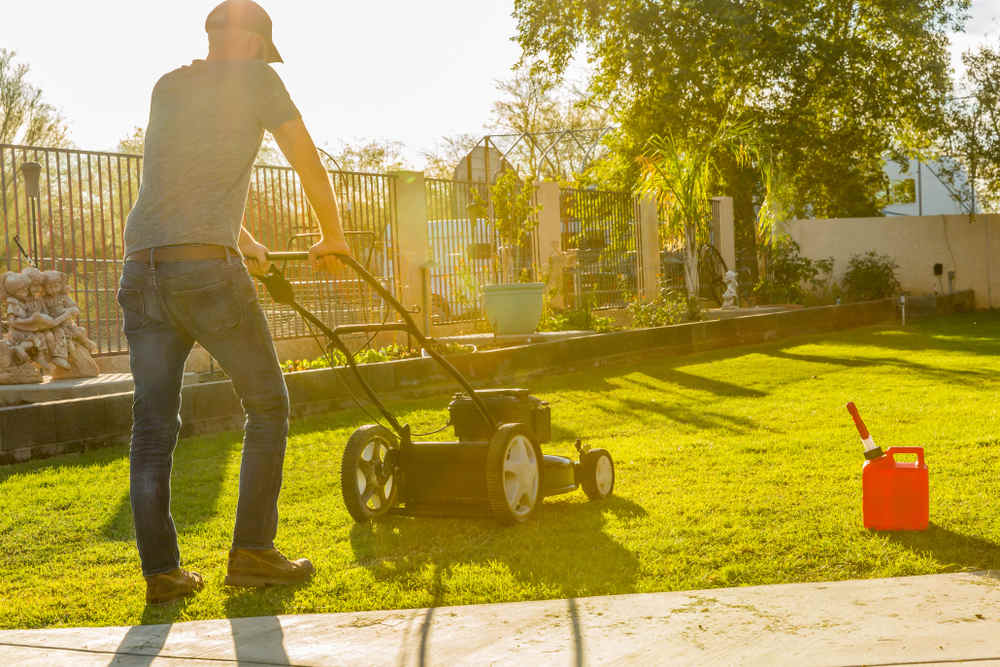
(202,467)
(963,552)
(565,547)
(96,457)
(937,373)
(699,383)
(969,333)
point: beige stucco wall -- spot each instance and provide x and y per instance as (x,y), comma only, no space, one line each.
(971,249)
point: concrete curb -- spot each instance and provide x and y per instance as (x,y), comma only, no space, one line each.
(953,618)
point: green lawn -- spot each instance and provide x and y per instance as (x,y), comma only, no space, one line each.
(735,467)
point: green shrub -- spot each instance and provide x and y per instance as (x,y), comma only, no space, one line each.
(366,356)
(672,306)
(871,276)
(787,273)
(575,319)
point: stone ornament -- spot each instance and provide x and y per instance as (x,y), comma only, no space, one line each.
(731,296)
(41,335)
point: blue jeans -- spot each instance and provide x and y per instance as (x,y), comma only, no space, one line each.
(167,308)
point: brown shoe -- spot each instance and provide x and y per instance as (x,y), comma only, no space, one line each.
(265,567)
(163,588)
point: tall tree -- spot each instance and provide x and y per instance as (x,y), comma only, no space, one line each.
(532,102)
(24,117)
(370,156)
(970,143)
(829,85)
(527,103)
(133,143)
(678,174)
(440,161)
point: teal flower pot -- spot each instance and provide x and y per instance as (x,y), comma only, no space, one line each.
(514,309)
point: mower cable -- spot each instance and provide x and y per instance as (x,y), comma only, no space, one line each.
(443,428)
(343,381)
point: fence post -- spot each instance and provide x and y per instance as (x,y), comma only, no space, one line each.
(549,235)
(649,242)
(726,242)
(411,207)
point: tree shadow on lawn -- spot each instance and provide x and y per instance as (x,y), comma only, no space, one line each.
(200,465)
(695,416)
(969,333)
(949,548)
(664,372)
(96,457)
(938,373)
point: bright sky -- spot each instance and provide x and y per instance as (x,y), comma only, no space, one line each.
(388,69)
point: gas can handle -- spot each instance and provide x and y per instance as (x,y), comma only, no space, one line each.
(919,451)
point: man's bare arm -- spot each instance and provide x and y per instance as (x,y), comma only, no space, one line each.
(299,149)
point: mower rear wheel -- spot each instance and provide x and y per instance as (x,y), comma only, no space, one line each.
(597,474)
(513,474)
(368,473)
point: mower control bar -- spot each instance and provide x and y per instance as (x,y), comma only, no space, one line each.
(410,324)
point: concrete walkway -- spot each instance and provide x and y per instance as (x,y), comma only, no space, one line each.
(944,619)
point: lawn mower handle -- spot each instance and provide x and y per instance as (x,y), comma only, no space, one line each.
(411,325)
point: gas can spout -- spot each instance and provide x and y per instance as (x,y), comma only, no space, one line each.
(872,451)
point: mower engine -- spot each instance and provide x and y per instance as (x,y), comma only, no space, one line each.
(508,406)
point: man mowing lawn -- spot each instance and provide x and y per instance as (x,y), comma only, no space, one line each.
(184,281)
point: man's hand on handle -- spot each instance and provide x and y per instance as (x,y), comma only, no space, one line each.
(255,255)
(324,254)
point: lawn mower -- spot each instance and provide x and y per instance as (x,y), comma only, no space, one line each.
(495,468)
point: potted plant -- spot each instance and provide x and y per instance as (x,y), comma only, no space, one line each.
(514,306)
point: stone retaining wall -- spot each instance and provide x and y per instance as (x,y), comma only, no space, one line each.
(50,429)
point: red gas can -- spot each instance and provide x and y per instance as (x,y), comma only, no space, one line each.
(896,494)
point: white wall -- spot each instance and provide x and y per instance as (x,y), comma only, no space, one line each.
(970,249)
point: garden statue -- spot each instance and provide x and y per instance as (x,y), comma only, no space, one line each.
(70,339)
(41,334)
(731,297)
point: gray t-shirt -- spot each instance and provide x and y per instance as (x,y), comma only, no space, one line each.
(206,124)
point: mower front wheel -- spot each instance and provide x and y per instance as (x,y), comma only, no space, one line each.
(513,474)
(597,474)
(368,473)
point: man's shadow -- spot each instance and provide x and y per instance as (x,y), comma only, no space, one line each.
(258,640)
(142,643)
(255,640)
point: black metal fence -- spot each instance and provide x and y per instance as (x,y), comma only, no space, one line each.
(279,216)
(77,222)
(602,229)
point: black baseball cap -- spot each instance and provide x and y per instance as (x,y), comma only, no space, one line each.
(246,15)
